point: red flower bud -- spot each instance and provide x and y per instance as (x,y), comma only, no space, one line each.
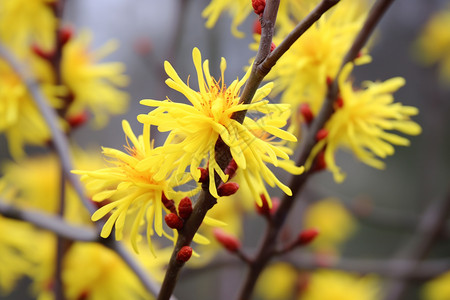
(320,164)
(257,27)
(306,112)
(339,102)
(169,204)
(228,241)
(258,6)
(77,120)
(184,254)
(307,236)
(264,210)
(47,55)
(143,46)
(185,208)
(231,169)
(329,80)
(272,46)
(173,221)
(227,189)
(321,134)
(65,34)
(204,175)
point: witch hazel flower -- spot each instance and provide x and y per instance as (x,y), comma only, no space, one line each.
(195,128)
(364,122)
(129,190)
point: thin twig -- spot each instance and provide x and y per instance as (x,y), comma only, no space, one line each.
(267,247)
(49,222)
(50,116)
(61,242)
(391,268)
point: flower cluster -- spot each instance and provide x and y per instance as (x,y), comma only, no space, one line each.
(362,122)
(140,178)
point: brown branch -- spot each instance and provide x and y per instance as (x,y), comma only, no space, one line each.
(267,247)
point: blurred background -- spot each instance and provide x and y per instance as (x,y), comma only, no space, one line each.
(388,203)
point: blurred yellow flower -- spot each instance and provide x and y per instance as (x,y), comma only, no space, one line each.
(289,12)
(362,122)
(195,129)
(278,281)
(334,222)
(25,22)
(91,271)
(238,9)
(331,285)
(301,75)
(35,183)
(433,43)
(437,288)
(20,119)
(15,241)
(92,84)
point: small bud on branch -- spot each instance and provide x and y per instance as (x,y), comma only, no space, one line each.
(228,241)
(184,254)
(174,221)
(307,236)
(185,208)
(258,6)
(227,189)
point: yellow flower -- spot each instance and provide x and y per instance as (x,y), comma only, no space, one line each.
(334,222)
(437,288)
(330,285)
(128,189)
(238,9)
(278,281)
(433,44)
(301,74)
(363,122)
(93,84)
(15,242)
(20,119)
(23,22)
(91,271)
(194,129)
